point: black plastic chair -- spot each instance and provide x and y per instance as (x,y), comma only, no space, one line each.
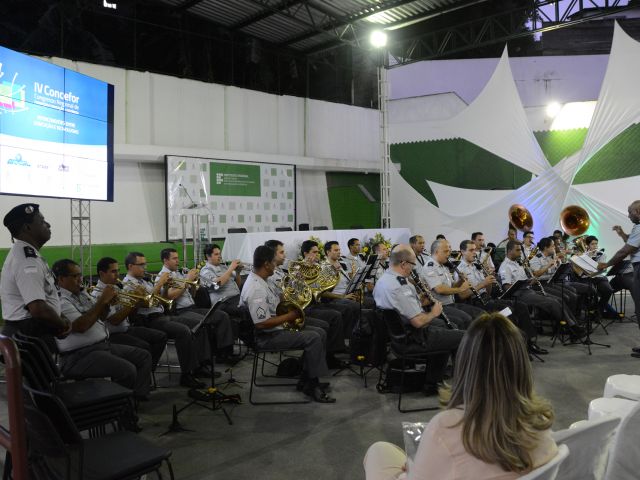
(57,449)
(260,358)
(303,227)
(237,230)
(284,229)
(92,403)
(321,227)
(403,349)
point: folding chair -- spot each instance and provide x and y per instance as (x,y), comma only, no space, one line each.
(549,470)
(624,457)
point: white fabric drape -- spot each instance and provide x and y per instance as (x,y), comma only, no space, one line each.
(312,198)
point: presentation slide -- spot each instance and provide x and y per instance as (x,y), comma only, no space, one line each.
(228,194)
(56,131)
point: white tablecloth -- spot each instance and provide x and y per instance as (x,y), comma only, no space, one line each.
(242,245)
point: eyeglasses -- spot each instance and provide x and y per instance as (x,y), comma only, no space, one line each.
(412,263)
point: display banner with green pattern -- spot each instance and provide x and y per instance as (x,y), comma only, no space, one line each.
(225,194)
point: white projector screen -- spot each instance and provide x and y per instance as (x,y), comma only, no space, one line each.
(210,196)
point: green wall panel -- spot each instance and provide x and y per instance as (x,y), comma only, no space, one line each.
(558,144)
(619,158)
(349,206)
(457,163)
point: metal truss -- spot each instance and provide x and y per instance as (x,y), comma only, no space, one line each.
(497,28)
(385,149)
(81,235)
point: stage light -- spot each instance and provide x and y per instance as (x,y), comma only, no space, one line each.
(574,115)
(553,109)
(378,38)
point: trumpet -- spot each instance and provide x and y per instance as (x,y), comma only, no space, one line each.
(125,299)
(244,265)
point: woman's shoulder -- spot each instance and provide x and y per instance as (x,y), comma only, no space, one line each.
(447,418)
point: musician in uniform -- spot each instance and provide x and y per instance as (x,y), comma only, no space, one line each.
(223,282)
(121,332)
(86,352)
(417,243)
(485,254)
(427,333)
(444,286)
(511,271)
(544,264)
(472,270)
(185,308)
(600,281)
(261,301)
(381,250)
(353,258)
(30,302)
(631,248)
(528,243)
(187,346)
(624,279)
(317,315)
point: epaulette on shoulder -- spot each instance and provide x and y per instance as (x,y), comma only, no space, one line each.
(402,280)
(30,252)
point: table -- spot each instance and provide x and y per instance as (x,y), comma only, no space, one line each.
(242,245)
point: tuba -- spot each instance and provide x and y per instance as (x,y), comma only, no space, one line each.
(574,221)
(520,218)
(297,296)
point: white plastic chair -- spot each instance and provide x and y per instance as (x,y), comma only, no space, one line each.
(624,458)
(603,407)
(622,385)
(589,445)
(549,470)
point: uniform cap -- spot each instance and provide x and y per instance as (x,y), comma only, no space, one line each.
(21,214)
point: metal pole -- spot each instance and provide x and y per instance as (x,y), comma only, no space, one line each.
(183,222)
(385,151)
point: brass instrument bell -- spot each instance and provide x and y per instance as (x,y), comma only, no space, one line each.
(574,220)
(520,218)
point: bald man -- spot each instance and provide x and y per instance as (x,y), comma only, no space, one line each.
(631,248)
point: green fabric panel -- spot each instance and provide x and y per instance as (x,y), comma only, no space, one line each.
(348,204)
(457,163)
(559,144)
(619,158)
(118,251)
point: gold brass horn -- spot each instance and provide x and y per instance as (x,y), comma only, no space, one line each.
(520,218)
(574,220)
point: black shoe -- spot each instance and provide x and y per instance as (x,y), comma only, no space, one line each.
(335,363)
(318,394)
(534,348)
(635,355)
(429,389)
(636,349)
(190,381)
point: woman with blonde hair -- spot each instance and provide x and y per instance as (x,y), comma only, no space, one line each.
(493,425)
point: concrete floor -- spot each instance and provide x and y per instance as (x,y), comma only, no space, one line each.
(314,441)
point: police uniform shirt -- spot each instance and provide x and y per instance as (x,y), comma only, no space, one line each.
(185,300)
(343,281)
(378,272)
(111,310)
(511,271)
(395,292)
(540,261)
(634,241)
(25,278)
(354,259)
(130,283)
(212,273)
(527,250)
(260,299)
(73,307)
(437,274)
(473,275)
(275,280)
(422,259)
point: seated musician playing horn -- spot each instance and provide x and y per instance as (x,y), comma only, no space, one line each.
(261,301)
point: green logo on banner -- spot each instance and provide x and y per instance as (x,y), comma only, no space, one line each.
(234,180)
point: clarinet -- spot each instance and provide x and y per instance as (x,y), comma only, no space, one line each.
(524,261)
(423,290)
(484,271)
(464,279)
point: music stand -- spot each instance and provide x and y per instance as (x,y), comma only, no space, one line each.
(212,394)
(515,287)
(560,274)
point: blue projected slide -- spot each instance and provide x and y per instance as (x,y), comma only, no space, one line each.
(56,130)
